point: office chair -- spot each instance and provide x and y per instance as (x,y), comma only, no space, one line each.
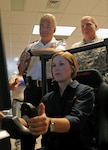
(94,79)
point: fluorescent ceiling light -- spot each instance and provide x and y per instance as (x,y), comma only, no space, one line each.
(102,32)
(64,30)
(60,30)
(36,29)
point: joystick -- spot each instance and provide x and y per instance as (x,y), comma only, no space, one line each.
(29,110)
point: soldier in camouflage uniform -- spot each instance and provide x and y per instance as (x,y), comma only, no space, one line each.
(94,58)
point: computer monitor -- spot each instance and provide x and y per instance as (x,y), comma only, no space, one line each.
(5,99)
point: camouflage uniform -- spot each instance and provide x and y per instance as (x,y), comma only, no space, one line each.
(94,58)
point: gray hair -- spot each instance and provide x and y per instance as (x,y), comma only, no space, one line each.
(51,17)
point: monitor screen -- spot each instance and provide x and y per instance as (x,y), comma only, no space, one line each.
(5,100)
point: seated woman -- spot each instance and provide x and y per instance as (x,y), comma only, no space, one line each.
(65,115)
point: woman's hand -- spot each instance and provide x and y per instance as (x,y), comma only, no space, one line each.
(23,122)
(39,125)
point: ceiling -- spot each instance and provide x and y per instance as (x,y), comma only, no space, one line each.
(19,16)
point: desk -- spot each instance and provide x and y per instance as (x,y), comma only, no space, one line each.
(5,140)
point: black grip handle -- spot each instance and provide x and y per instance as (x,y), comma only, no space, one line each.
(29,110)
